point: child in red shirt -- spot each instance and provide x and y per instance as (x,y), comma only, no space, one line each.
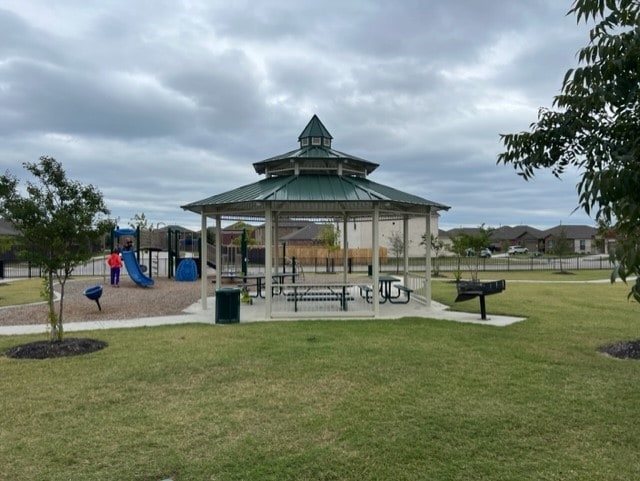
(115,263)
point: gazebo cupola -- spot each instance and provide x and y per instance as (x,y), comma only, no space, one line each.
(315,134)
(315,157)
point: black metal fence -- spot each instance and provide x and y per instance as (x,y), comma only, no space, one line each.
(452,264)
(94,268)
(522,263)
(159,266)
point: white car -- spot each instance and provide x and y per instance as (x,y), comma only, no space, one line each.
(517,250)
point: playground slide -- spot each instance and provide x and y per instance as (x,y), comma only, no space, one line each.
(133,268)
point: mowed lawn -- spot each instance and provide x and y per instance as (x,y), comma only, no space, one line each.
(411,399)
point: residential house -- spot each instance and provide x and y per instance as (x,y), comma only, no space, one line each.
(583,239)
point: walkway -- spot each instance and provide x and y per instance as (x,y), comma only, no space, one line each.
(255,313)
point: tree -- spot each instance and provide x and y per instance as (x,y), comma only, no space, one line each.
(436,245)
(561,246)
(58,220)
(594,126)
(250,236)
(140,220)
(469,246)
(396,243)
(329,237)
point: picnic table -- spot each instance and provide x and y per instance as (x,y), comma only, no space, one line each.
(320,293)
(258,281)
(385,286)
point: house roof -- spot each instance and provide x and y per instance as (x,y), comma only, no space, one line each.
(572,231)
(520,231)
(516,232)
(308,232)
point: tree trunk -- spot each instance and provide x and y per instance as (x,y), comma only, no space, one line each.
(56,328)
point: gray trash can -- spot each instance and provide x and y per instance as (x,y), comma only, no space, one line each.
(227,305)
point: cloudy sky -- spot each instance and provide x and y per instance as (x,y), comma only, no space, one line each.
(163,102)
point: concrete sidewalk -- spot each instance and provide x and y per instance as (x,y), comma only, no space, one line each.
(255,313)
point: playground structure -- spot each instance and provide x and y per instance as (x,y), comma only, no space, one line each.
(183,246)
(131,257)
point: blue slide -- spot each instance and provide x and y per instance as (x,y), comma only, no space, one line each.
(133,268)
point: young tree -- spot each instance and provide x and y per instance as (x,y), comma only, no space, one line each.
(561,247)
(436,245)
(250,237)
(396,243)
(595,126)
(464,243)
(140,220)
(329,237)
(458,247)
(58,221)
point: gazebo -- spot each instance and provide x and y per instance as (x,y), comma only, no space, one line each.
(316,182)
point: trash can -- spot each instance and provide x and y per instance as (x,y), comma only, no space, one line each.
(227,305)
(370,270)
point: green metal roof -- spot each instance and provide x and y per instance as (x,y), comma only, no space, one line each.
(321,189)
(317,180)
(315,128)
(315,158)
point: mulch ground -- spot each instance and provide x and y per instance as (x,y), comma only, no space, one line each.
(622,349)
(72,346)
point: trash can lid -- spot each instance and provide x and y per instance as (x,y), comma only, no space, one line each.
(228,289)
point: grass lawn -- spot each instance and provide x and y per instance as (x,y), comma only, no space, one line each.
(407,399)
(20,291)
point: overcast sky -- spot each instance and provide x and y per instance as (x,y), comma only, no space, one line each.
(159,103)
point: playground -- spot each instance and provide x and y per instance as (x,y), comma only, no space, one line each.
(143,250)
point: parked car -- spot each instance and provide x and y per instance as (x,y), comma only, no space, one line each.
(517,250)
(472,253)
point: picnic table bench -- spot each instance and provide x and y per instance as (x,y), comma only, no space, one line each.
(470,289)
(366,291)
(319,293)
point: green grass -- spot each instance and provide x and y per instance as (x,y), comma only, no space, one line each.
(409,399)
(20,291)
(570,276)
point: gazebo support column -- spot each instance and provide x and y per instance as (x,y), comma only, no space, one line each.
(268,260)
(203,261)
(375,259)
(345,251)
(405,243)
(218,251)
(427,273)
(276,240)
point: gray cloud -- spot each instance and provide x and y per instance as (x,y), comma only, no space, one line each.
(162,103)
